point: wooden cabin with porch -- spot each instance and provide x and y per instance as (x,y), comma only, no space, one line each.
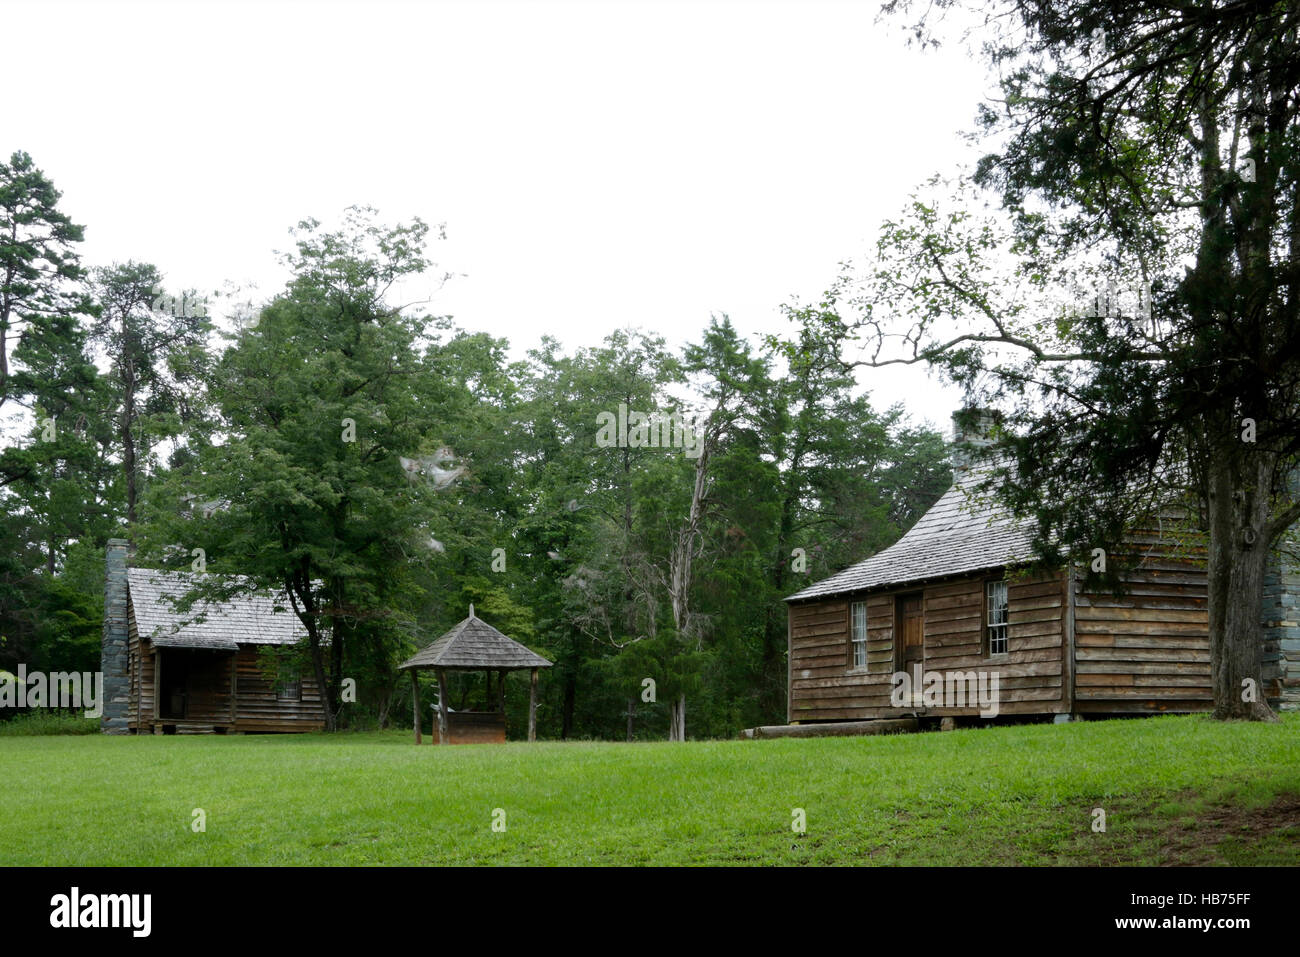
(168,671)
(952,598)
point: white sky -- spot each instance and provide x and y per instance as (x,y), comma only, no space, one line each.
(597,164)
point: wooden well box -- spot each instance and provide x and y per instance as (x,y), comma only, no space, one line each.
(473,727)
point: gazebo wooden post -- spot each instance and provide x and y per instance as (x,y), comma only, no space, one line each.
(415,701)
(501,691)
(532,706)
(444,736)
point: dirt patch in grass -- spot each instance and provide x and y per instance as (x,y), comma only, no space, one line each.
(1187,830)
(1229,834)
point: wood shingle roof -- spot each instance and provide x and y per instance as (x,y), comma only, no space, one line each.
(475,645)
(961,533)
(224,626)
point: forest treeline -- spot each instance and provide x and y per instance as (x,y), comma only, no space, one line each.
(630,509)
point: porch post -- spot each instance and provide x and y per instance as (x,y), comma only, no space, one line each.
(444,737)
(415,701)
(532,706)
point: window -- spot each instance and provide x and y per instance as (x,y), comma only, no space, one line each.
(996,617)
(858,633)
(289,687)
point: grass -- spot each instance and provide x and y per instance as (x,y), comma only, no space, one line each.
(48,722)
(1175,790)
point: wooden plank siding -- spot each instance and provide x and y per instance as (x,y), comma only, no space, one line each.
(473,727)
(1149,649)
(825,687)
(1144,651)
(257,706)
(140,660)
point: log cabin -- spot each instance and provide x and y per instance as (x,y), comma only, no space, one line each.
(954,602)
(196,671)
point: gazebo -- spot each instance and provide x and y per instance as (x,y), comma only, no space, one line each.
(474,645)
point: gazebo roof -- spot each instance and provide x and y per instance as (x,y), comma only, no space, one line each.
(475,645)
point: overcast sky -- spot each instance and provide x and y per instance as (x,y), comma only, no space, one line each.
(597,164)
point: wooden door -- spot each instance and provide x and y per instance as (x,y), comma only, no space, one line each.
(911,632)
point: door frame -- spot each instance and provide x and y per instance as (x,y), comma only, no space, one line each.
(184,662)
(900,653)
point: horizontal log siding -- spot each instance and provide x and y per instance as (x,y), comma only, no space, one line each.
(1029,674)
(140,699)
(1149,649)
(258,708)
(824,686)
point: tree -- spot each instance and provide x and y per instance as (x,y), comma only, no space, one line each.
(333,481)
(848,480)
(40,294)
(580,533)
(57,498)
(39,268)
(1152,153)
(156,345)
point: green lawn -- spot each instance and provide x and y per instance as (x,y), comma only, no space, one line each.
(1174,789)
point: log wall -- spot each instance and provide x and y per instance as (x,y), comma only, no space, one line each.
(260,709)
(824,685)
(1149,649)
(257,707)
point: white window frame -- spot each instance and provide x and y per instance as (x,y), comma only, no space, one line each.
(858,639)
(997,605)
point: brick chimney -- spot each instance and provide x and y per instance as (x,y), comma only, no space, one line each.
(972,429)
(113,661)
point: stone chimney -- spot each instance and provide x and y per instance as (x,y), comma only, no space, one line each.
(972,429)
(1280,616)
(114,653)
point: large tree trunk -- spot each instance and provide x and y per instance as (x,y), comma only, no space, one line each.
(304,607)
(677,719)
(1239,549)
(318,669)
(340,624)
(334,700)
(773,678)
(681,562)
